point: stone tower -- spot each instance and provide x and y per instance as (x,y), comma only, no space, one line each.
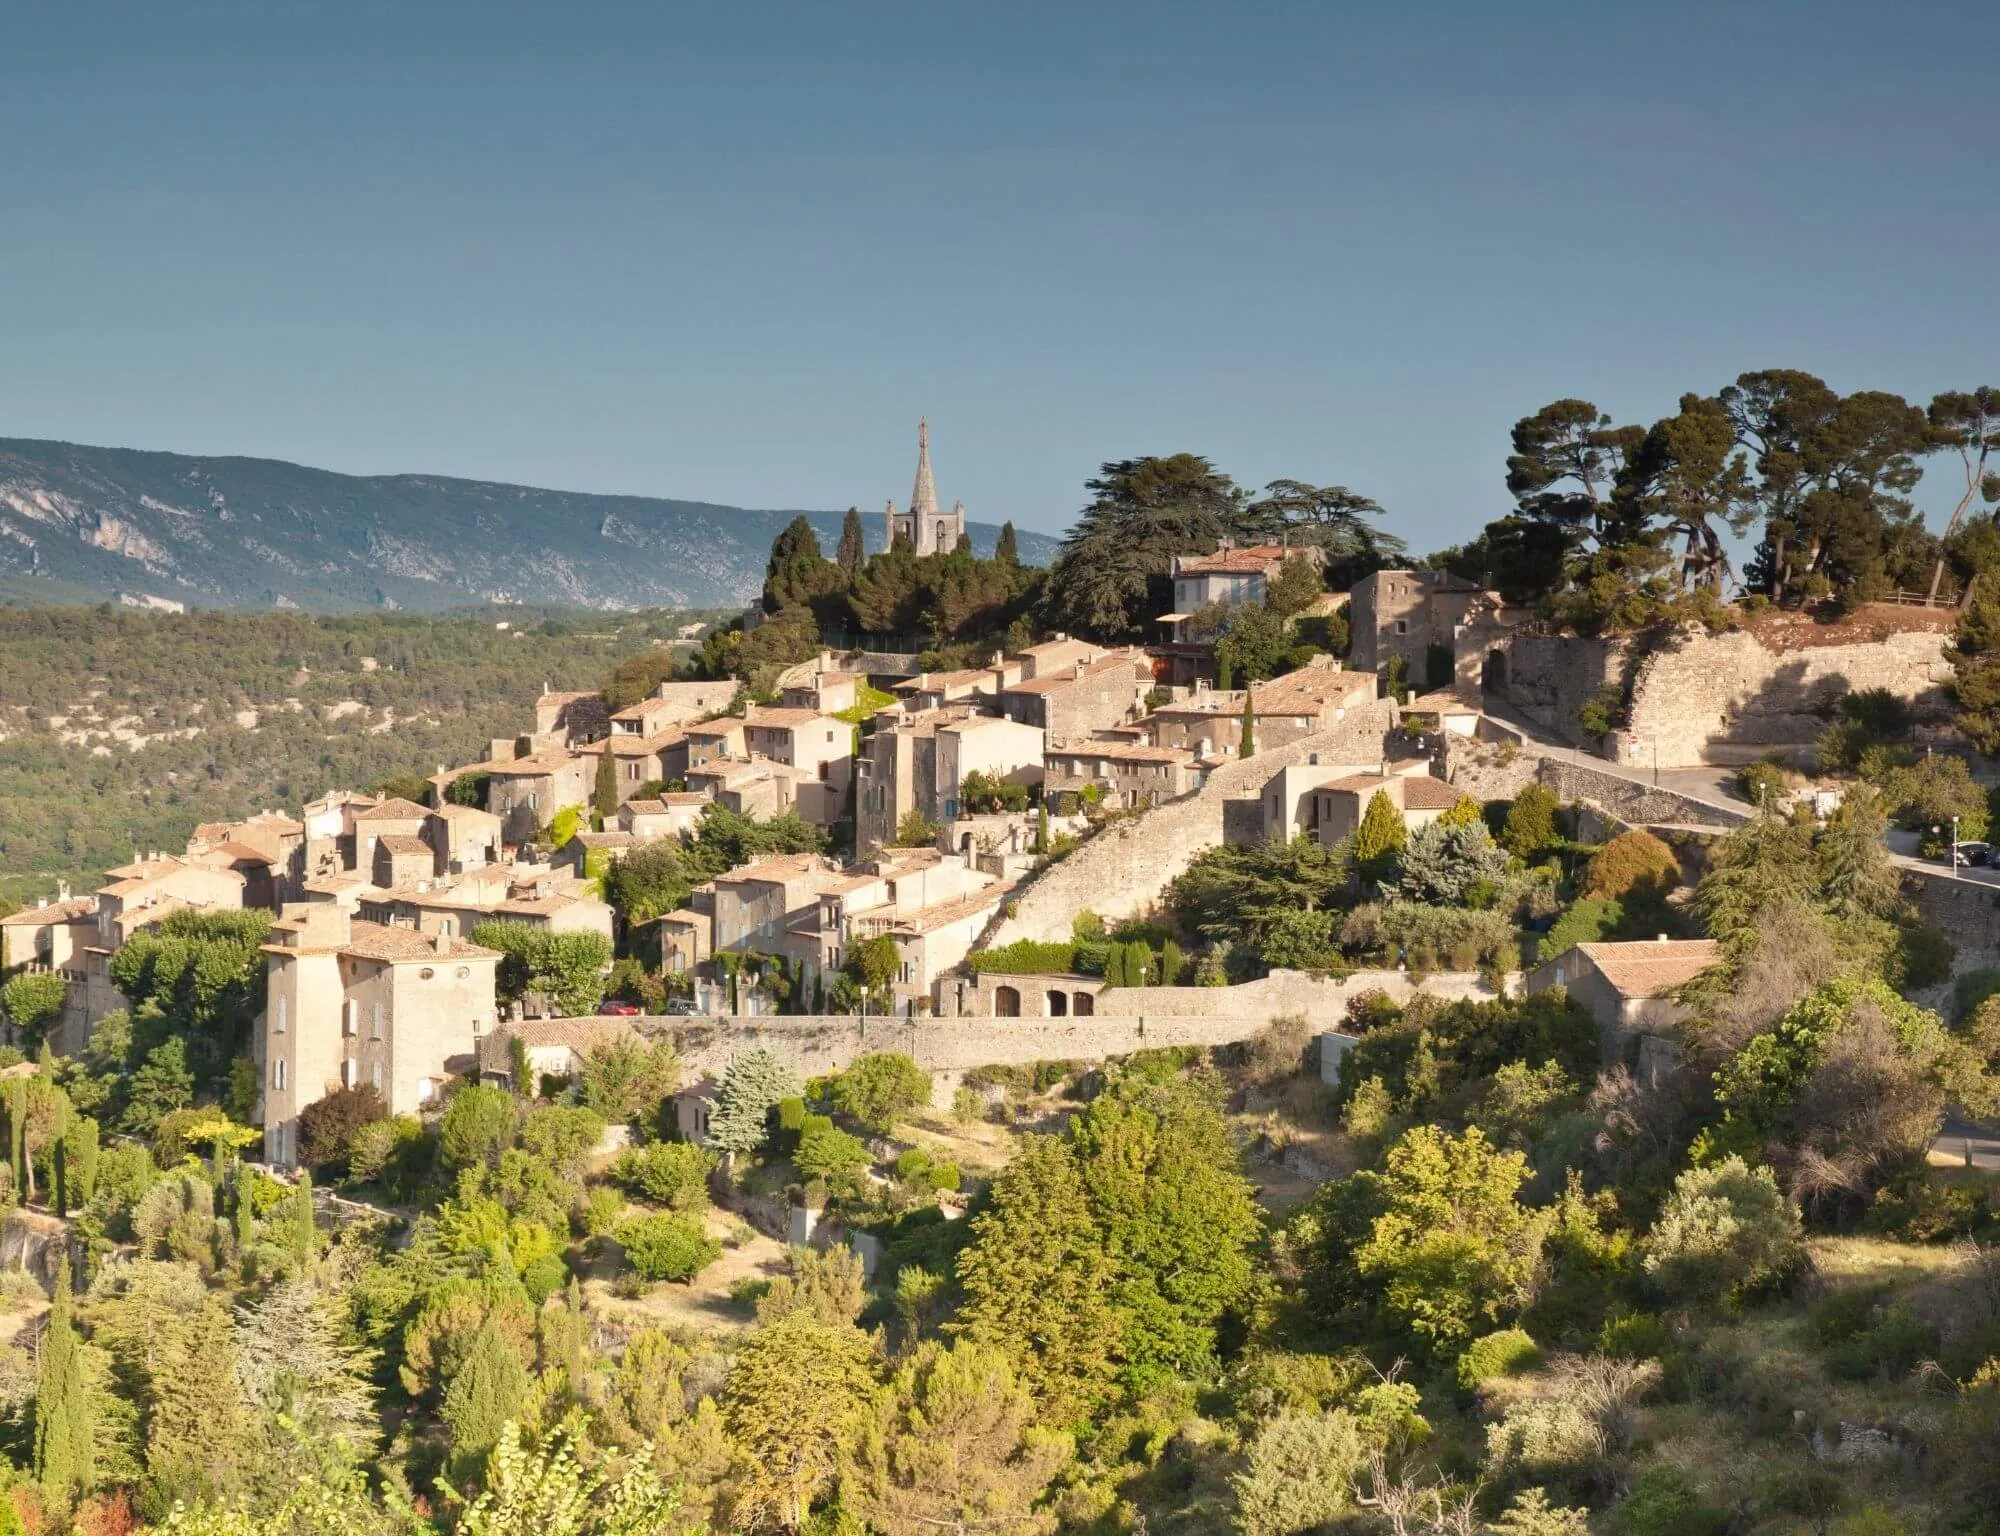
(929,531)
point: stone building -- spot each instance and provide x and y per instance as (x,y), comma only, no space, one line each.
(1627,988)
(1133,774)
(1393,614)
(919,762)
(1230,576)
(349,1003)
(929,531)
(1332,811)
(1073,703)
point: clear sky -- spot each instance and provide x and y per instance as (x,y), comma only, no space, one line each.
(732,251)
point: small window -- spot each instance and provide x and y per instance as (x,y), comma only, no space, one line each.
(425,974)
(375,1029)
(350,1072)
(279,1027)
(426,1090)
(278,1074)
(1402,626)
(375,1074)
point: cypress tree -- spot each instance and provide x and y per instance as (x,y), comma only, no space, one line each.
(850,551)
(1380,836)
(305,1235)
(1114,966)
(1042,829)
(1246,745)
(1008,550)
(1224,675)
(246,1210)
(604,796)
(62,1404)
(83,1159)
(17,1124)
(483,1397)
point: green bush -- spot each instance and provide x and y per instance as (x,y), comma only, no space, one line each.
(827,1152)
(543,1278)
(672,1247)
(1723,1230)
(1586,922)
(1506,1353)
(1887,1351)
(1972,989)
(1024,957)
(1632,861)
(1664,1503)
(670,1173)
(880,1088)
(1634,1336)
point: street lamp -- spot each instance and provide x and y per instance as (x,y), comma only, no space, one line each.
(1937,830)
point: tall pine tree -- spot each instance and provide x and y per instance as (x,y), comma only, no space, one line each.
(851,551)
(1008,551)
(63,1450)
(305,1236)
(751,1087)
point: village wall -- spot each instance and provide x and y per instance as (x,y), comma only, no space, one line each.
(1726,698)
(1548,678)
(1121,871)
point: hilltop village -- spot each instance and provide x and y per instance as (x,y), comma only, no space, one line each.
(1269,1033)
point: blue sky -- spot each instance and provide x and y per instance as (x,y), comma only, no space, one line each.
(731,252)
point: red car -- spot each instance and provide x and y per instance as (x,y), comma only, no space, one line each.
(619,1010)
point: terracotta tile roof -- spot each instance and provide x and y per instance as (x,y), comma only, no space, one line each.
(1359,783)
(235,851)
(1650,967)
(1063,677)
(787,718)
(1422,792)
(1308,691)
(397,809)
(934,681)
(1445,699)
(450,812)
(779,868)
(535,764)
(1251,560)
(542,906)
(54,912)
(375,941)
(405,847)
(607,840)
(948,912)
(1123,751)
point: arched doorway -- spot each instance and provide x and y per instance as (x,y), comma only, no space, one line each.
(1006,1003)
(1058,1004)
(1493,672)
(1084,1006)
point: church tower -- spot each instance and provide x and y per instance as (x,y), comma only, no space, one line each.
(929,531)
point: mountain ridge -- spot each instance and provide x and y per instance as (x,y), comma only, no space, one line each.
(235,531)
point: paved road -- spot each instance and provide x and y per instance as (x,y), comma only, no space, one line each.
(1966,1144)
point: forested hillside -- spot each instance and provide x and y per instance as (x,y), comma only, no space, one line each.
(258,533)
(121,730)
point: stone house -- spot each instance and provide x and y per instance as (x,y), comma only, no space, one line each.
(1333,811)
(715,738)
(555,1047)
(671,815)
(1403,614)
(349,1003)
(1048,995)
(759,787)
(330,823)
(920,762)
(1287,797)
(527,792)
(1133,774)
(1073,703)
(934,690)
(1229,576)
(49,936)
(687,936)
(1626,987)
(694,1106)
(1457,710)
(268,850)
(675,704)
(825,690)
(571,719)
(394,817)
(931,906)
(641,760)
(755,904)
(818,744)
(464,837)
(1058,653)
(402,859)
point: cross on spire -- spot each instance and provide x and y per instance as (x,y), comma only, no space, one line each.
(923,499)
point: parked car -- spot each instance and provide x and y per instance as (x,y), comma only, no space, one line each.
(617,1009)
(1970,855)
(682,1007)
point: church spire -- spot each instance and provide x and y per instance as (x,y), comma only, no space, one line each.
(923,500)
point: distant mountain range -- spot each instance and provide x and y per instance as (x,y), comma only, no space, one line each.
(84,524)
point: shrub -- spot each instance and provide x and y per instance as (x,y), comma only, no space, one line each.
(1722,1230)
(1972,989)
(1664,1503)
(327,1125)
(478,1124)
(1634,1336)
(543,1278)
(387,1151)
(1531,822)
(827,1152)
(1579,1430)
(1765,781)
(1300,1474)
(1024,957)
(1632,861)
(1506,1353)
(673,1247)
(881,1088)
(670,1173)
(1586,922)
(603,1212)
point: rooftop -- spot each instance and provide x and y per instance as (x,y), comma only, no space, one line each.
(548,760)
(405,846)
(778,869)
(1123,751)
(1651,967)
(1064,676)
(784,717)
(396,809)
(54,912)
(1424,792)
(375,941)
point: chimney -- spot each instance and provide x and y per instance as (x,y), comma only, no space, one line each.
(40,902)
(1312,759)
(1662,938)
(1079,667)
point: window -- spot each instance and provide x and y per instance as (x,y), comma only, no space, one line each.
(464,970)
(350,1016)
(375,1074)
(279,1027)
(426,1090)
(350,1072)
(1402,626)
(278,1074)
(375,1028)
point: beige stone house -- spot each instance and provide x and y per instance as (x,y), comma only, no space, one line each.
(818,745)
(759,787)
(1132,774)
(933,690)
(920,762)
(1627,988)
(555,1047)
(463,837)
(715,738)
(825,690)
(1333,811)
(1393,614)
(641,760)
(400,859)
(349,1003)
(671,815)
(527,792)
(1070,704)
(394,817)
(49,936)
(571,719)
(1229,576)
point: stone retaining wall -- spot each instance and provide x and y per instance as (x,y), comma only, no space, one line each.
(1633,803)
(1121,871)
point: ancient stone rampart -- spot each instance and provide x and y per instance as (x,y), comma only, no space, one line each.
(1122,870)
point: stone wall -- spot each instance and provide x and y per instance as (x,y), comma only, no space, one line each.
(1966,911)
(1727,698)
(1122,870)
(1633,803)
(1548,678)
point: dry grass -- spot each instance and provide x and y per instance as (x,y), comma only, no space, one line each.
(703,1306)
